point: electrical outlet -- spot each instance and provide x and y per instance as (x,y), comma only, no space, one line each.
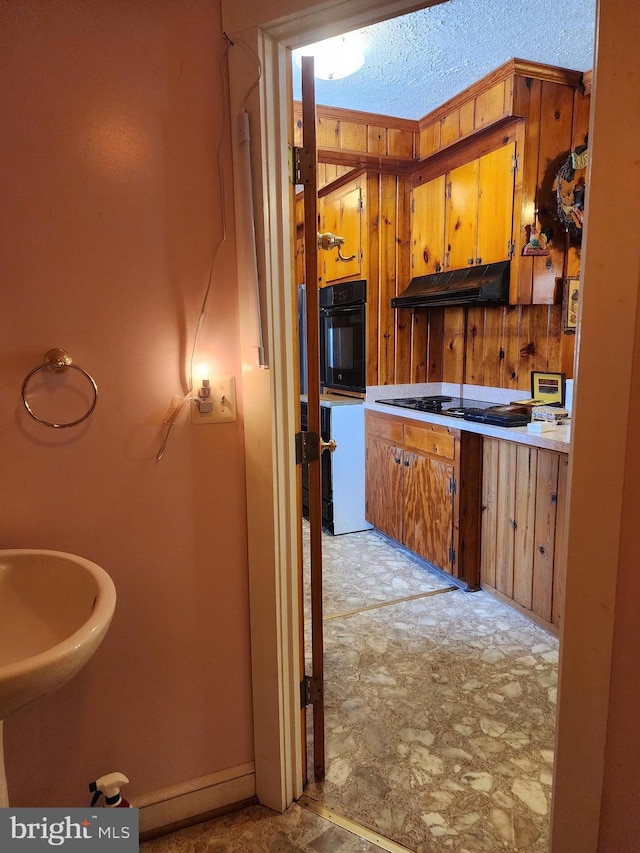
(223,399)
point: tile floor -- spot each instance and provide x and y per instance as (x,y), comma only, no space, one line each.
(440,714)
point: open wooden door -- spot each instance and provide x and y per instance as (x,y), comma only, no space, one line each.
(310,445)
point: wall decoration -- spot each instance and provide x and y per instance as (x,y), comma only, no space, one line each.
(570,191)
(570,295)
(548,387)
(537,244)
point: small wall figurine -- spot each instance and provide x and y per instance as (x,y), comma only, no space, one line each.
(537,244)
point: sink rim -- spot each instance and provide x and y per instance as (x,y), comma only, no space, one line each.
(93,629)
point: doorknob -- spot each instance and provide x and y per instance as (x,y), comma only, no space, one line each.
(328,445)
(329,241)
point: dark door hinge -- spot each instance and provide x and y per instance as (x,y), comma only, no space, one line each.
(307,447)
(300,165)
(360,203)
(453,486)
(511,248)
(515,162)
(311,691)
(452,555)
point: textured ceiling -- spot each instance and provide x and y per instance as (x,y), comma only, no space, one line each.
(417,62)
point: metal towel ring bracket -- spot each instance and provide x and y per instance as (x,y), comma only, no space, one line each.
(58,360)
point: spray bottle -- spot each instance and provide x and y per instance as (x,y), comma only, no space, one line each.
(109,787)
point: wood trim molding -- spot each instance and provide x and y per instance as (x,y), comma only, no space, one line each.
(371,162)
(189,802)
(468,148)
(342,181)
(517,67)
(359,117)
(587,82)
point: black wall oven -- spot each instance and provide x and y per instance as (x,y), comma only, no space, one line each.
(343,336)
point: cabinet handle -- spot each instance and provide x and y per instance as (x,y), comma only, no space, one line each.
(478,260)
(470,261)
(406,463)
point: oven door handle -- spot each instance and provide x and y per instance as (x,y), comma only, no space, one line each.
(341,311)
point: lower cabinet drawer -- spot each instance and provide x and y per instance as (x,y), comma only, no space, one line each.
(435,441)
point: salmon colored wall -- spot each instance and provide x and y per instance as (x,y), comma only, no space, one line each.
(111,208)
(620,829)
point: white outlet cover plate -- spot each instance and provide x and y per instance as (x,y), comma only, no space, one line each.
(223,397)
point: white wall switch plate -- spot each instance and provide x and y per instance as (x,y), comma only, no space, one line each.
(223,400)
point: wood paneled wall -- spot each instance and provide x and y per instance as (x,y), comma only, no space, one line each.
(350,130)
(483,346)
(387,208)
(479,346)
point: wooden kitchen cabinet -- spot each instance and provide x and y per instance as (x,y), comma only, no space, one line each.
(461,216)
(341,213)
(523,519)
(533,106)
(464,218)
(427,227)
(496,188)
(423,490)
(384,491)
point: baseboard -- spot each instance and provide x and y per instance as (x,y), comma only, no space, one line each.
(198,799)
(540,622)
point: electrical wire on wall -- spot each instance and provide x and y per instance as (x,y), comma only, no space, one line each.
(244,135)
(172,419)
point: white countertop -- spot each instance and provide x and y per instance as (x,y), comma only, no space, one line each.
(556,439)
(331,400)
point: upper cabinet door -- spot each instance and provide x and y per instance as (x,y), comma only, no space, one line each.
(342,215)
(427,227)
(461,216)
(495,204)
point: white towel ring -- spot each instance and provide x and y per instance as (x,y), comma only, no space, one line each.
(58,360)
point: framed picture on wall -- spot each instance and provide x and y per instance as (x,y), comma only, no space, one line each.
(548,388)
(571,292)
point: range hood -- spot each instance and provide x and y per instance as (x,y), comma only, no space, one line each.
(487,284)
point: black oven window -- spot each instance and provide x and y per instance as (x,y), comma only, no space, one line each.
(340,349)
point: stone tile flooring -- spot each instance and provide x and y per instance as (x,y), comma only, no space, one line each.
(440,715)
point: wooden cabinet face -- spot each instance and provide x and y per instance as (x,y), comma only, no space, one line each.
(411,491)
(428,499)
(495,204)
(427,227)
(523,518)
(462,216)
(342,216)
(384,486)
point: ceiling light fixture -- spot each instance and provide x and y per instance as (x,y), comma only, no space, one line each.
(337,57)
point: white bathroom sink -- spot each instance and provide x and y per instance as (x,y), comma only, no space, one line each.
(55,609)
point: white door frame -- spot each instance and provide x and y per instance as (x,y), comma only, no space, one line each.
(270,403)
(270,396)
